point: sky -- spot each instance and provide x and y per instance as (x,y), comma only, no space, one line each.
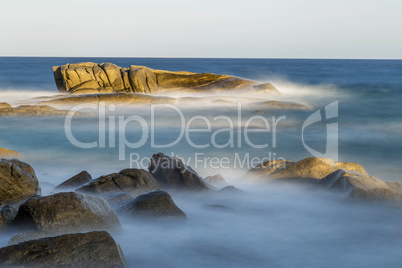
(357,29)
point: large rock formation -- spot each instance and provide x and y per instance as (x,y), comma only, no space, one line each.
(94,249)
(362,186)
(17,181)
(128,181)
(173,174)
(90,78)
(154,204)
(66,212)
(307,170)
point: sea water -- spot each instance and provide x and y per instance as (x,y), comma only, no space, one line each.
(266,226)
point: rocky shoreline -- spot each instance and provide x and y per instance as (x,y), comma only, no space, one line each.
(83,213)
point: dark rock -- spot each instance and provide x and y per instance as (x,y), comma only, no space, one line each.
(8,213)
(158,204)
(76,181)
(173,174)
(94,249)
(17,181)
(130,181)
(66,212)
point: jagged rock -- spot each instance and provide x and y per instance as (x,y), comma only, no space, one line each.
(8,153)
(158,204)
(307,170)
(216,180)
(92,78)
(173,174)
(5,105)
(17,181)
(66,212)
(93,249)
(128,181)
(35,110)
(362,186)
(75,182)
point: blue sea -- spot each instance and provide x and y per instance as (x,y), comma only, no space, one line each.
(268,226)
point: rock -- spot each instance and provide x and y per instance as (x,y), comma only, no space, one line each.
(8,213)
(93,249)
(307,170)
(230,189)
(76,181)
(66,212)
(128,181)
(8,153)
(280,105)
(216,180)
(155,204)
(115,98)
(361,186)
(266,88)
(173,174)
(5,105)
(17,181)
(36,110)
(93,78)
(3,223)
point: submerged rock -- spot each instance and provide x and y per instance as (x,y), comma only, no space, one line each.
(173,174)
(362,186)
(76,181)
(35,110)
(93,249)
(217,180)
(230,189)
(307,170)
(17,181)
(8,153)
(93,78)
(66,212)
(155,204)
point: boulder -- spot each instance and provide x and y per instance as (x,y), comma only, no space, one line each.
(216,180)
(361,186)
(307,170)
(66,212)
(93,249)
(154,204)
(75,182)
(128,181)
(8,213)
(17,181)
(92,78)
(173,174)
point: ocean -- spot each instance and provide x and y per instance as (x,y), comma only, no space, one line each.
(281,226)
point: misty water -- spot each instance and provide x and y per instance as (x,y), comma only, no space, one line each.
(268,225)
